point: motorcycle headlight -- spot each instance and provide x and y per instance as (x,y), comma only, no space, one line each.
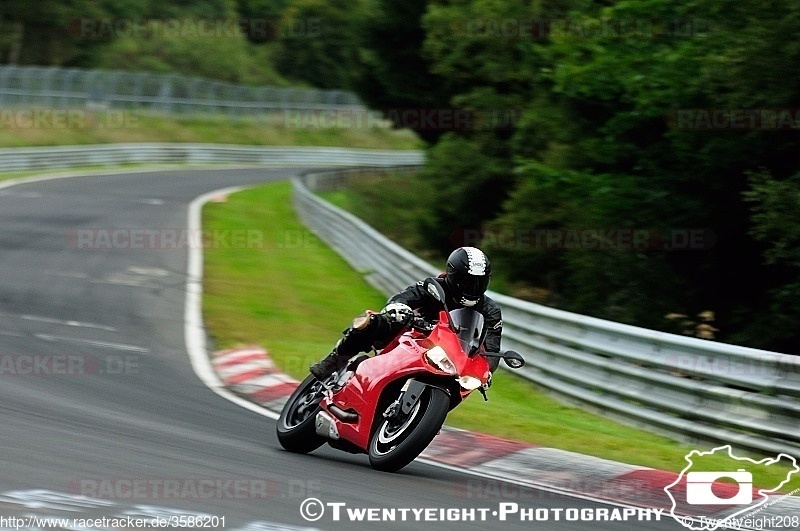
(438,357)
(470,383)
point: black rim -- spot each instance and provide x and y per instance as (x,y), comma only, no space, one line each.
(393,431)
(305,405)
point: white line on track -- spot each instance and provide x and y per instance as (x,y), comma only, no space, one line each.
(80,324)
(93,342)
(28,195)
(66,274)
(194,331)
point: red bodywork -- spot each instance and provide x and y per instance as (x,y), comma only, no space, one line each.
(401,360)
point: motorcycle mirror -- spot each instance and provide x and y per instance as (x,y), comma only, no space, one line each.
(513,359)
(437,292)
(435,289)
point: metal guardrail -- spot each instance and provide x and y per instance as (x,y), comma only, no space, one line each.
(690,388)
(57,88)
(36,158)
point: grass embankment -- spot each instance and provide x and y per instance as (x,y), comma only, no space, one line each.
(294,296)
(136,126)
(118,126)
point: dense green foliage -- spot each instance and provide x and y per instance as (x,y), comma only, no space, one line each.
(617,131)
(593,118)
(230,40)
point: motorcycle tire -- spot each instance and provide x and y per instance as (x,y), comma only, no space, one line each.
(296,425)
(396,443)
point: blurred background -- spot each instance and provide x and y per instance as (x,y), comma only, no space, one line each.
(634,161)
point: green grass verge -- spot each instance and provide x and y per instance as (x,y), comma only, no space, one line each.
(293,295)
(101,127)
(391,202)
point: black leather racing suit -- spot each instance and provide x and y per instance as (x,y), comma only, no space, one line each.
(380,331)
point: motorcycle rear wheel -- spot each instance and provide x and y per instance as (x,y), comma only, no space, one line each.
(397,442)
(296,425)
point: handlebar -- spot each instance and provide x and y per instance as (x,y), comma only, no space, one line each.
(419,323)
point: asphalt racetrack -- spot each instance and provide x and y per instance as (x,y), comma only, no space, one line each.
(101,413)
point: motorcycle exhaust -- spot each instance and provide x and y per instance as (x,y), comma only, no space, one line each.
(325,426)
(341,414)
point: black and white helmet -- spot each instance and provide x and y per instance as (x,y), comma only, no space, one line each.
(468,274)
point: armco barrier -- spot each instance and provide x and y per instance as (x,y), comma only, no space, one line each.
(692,388)
(37,158)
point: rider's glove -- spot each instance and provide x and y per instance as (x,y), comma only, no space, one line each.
(398,312)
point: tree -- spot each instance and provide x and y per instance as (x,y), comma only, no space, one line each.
(256,13)
(392,72)
(317,43)
(776,225)
(36,39)
(465,183)
(626,92)
(603,142)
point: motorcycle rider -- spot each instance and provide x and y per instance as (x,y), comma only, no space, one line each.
(465,281)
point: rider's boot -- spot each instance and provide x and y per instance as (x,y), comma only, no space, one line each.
(329,364)
(355,340)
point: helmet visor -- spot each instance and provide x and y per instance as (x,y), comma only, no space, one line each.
(472,287)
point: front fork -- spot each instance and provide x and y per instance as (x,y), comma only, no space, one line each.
(410,394)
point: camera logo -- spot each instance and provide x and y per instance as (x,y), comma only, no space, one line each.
(734,497)
(699,491)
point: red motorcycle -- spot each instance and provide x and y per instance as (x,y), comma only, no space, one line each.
(392,405)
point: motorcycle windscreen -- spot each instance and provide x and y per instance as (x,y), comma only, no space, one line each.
(471,328)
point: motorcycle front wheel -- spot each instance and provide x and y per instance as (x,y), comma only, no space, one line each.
(399,440)
(296,425)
